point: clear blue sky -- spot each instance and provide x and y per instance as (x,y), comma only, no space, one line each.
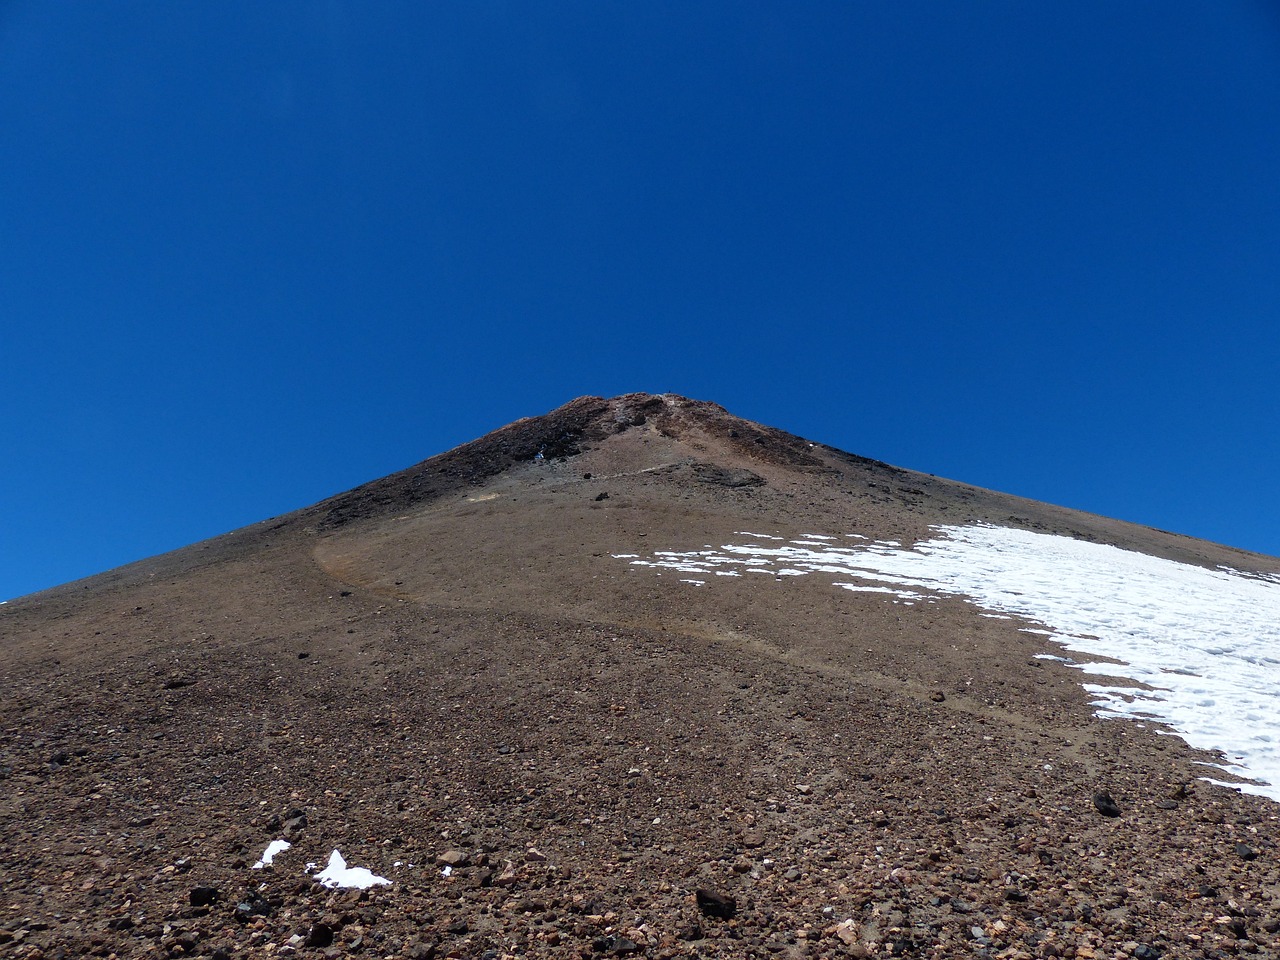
(253,254)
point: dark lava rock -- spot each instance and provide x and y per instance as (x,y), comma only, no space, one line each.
(719,906)
(1246,852)
(726,476)
(203,896)
(615,944)
(601,496)
(320,935)
(938,696)
(1145,952)
(295,825)
(692,932)
(246,910)
(904,948)
(1103,803)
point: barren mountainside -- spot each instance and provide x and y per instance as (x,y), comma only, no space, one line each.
(456,677)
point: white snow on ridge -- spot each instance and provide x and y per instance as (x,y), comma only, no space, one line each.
(1206,641)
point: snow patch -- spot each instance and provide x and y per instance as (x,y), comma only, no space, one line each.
(1204,642)
(338,874)
(274,847)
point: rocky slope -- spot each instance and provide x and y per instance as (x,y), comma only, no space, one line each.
(448,676)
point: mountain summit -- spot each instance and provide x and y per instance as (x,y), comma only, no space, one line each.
(641,678)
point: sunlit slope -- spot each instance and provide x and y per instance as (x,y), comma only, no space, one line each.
(891,577)
(526,660)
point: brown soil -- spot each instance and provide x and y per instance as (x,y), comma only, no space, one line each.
(450,661)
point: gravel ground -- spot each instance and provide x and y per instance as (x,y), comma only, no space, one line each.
(447,676)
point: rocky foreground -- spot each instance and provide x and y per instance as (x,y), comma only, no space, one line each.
(449,679)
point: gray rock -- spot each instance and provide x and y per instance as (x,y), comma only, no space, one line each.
(615,944)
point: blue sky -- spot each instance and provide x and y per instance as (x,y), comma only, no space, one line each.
(255,254)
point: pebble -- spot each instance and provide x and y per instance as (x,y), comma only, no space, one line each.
(1105,805)
(719,906)
(615,944)
(846,931)
(203,896)
(319,935)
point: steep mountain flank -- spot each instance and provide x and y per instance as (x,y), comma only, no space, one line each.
(456,677)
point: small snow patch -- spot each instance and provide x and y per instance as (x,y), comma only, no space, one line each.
(274,847)
(338,874)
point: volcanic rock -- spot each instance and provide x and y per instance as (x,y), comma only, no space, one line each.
(1106,806)
(494,686)
(720,906)
(203,896)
